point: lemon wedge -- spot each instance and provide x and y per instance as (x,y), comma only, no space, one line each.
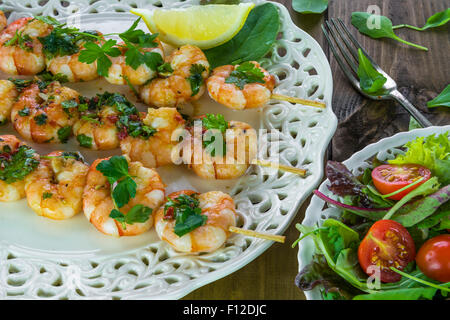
(203,26)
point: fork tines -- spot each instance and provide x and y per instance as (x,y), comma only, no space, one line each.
(346,46)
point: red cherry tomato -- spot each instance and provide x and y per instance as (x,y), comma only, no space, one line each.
(433,258)
(387,244)
(389,178)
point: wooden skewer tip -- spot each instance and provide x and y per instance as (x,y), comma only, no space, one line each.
(255,234)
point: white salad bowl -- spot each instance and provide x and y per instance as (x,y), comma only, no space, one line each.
(316,214)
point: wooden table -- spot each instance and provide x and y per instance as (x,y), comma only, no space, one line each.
(419,75)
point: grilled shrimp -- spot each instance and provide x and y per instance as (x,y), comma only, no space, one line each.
(71,67)
(253,95)
(55,189)
(43,113)
(220,213)
(189,68)
(98,203)
(8,95)
(96,129)
(120,71)
(3,21)
(21,52)
(155,151)
(16,161)
(240,150)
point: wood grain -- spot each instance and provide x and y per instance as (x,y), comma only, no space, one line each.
(420,76)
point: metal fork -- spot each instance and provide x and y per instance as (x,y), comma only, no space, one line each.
(348,47)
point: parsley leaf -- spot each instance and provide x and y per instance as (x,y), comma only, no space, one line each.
(196,79)
(24,112)
(165,69)
(187,213)
(41,119)
(16,166)
(84,141)
(138,214)
(19,39)
(64,134)
(211,121)
(244,74)
(124,191)
(114,168)
(47,195)
(93,52)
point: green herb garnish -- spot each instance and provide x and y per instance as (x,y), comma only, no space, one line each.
(18,165)
(370,80)
(196,79)
(64,134)
(47,195)
(244,74)
(84,141)
(186,212)
(41,119)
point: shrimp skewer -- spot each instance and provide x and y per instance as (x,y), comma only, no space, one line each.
(8,95)
(21,52)
(17,160)
(247,86)
(98,204)
(44,112)
(55,189)
(214,211)
(156,151)
(187,69)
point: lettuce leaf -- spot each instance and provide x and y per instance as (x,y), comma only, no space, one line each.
(399,294)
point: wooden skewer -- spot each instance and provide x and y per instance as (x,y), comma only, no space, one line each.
(305,102)
(275,165)
(251,233)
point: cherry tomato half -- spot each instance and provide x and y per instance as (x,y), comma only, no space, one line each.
(389,178)
(433,258)
(387,244)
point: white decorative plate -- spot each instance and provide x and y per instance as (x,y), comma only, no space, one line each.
(384,149)
(40,258)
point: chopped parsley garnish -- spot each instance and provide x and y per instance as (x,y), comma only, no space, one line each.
(187,213)
(244,74)
(93,52)
(24,112)
(47,195)
(165,69)
(16,166)
(214,123)
(49,77)
(19,39)
(64,134)
(41,119)
(123,189)
(84,141)
(195,79)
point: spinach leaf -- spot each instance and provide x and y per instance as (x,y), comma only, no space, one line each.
(399,294)
(252,42)
(442,100)
(436,20)
(362,21)
(310,6)
(370,80)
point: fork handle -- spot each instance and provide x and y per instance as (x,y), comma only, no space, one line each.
(420,118)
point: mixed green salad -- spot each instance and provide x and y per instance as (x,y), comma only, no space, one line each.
(392,240)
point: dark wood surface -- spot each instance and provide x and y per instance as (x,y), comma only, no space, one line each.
(420,77)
